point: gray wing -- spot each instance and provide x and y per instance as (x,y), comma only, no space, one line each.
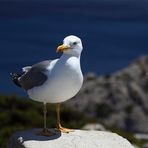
(35,76)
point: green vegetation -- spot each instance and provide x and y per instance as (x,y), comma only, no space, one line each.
(19,113)
(103,110)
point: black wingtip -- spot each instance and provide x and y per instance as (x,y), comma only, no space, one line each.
(14,77)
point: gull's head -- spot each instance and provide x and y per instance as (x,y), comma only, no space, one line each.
(71,45)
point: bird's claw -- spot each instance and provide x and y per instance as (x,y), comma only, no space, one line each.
(64,130)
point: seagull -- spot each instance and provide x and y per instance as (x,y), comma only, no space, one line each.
(54,81)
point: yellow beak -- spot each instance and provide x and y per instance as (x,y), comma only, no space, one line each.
(62,48)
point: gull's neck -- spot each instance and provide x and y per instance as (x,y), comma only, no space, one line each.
(67,56)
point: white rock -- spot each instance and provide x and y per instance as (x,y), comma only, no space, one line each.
(76,139)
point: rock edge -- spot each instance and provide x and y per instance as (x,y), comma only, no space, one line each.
(76,139)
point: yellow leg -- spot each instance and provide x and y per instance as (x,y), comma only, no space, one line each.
(45,131)
(59,127)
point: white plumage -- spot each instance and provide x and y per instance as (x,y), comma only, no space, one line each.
(64,76)
(54,81)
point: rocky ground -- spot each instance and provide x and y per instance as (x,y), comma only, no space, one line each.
(119,99)
(76,139)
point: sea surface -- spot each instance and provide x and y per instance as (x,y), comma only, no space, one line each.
(113,32)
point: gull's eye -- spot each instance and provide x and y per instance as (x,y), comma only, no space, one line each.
(74,43)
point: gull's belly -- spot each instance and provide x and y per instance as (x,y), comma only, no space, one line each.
(65,89)
(58,88)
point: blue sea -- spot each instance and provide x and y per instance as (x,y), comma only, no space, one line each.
(113,32)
